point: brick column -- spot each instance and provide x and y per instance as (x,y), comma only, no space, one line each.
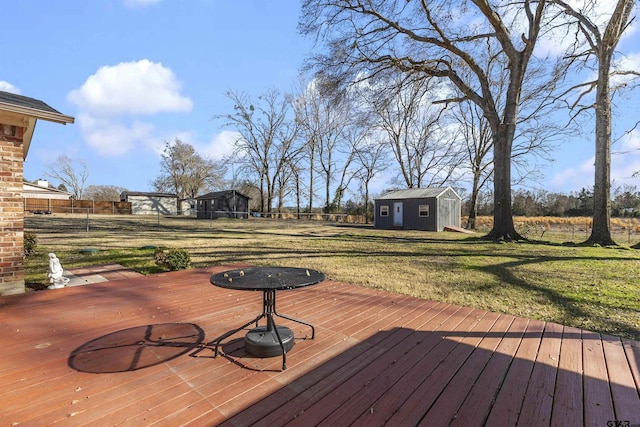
(11,215)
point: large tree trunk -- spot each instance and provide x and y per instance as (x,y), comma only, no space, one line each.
(503,226)
(603,46)
(262,193)
(327,191)
(298,200)
(270,192)
(473,203)
(601,232)
(366,203)
(311,166)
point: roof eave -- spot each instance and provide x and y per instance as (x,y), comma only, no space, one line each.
(38,114)
(28,135)
(31,116)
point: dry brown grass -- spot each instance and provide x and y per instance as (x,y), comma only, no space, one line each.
(625,231)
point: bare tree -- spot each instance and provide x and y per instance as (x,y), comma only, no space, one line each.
(251,190)
(432,39)
(370,155)
(534,139)
(324,120)
(268,138)
(592,43)
(478,143)
(415,132)
(104,192)
(185,173)
(296,165)
(307,109)
(288,181)
(71,173)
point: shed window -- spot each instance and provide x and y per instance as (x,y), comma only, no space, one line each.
(423,210)
(384,210)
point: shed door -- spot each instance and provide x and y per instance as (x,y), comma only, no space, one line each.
(397,214)
(449,212)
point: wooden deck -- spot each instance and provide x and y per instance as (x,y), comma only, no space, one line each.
(126,352)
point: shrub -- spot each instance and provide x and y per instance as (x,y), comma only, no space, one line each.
(173,259)
(30,242)
(177,259)
(159,256)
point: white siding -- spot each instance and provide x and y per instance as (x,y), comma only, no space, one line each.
(149,205)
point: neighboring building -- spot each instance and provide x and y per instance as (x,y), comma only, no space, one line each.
(18,117)
(223,204)
(150,203)
(427,209)
(41,190)
(189,207)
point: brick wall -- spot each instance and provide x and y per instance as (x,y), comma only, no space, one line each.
(11,214)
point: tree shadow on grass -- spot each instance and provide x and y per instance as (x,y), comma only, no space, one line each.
(567,304)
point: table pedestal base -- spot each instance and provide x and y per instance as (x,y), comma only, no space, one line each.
(275,341)
(262,342)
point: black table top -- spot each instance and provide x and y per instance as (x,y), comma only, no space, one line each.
(267,278)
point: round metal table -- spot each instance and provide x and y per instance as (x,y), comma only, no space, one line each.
(268,340)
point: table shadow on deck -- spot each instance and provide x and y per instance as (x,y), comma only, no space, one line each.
(136,348)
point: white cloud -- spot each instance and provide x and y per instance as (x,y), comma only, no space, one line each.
(575,178)
(559,39)
(140,3)
(110,138)
(8,87)
(625,161)
(221,144)
(630,62)
(630,143)
(141,87)
(112,101)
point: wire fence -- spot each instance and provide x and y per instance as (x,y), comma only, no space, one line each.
(97,207)
(86,220)
(625,231)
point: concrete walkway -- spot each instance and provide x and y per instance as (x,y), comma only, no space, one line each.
(98,273)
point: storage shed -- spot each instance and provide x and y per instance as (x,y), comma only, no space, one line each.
(223,204)
(143,203)
(427,209)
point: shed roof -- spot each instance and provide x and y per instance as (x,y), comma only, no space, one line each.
(416,193)
(216,194)
(146,194)
(18,110)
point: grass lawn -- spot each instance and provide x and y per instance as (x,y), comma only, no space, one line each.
(588,287)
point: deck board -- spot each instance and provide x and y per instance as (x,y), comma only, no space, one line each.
(445,409)
(625,398)
(538,399)
(598,407)
(568,399)
(437,369)
(377,359)
(475,407)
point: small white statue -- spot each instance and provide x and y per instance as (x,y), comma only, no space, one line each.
(56,278)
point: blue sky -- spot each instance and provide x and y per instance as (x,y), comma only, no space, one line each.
(137,73)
